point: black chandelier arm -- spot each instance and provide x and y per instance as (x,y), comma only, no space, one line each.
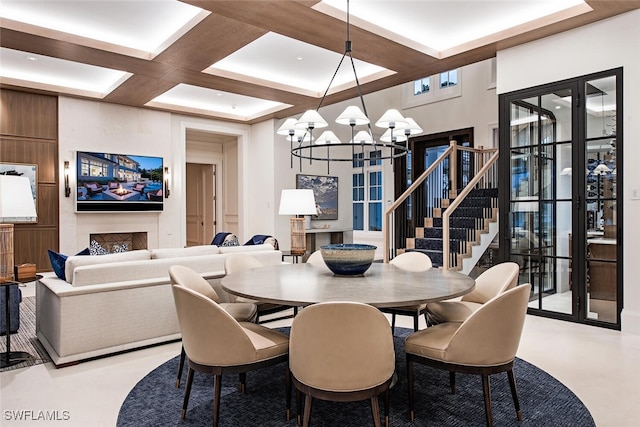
(303,152)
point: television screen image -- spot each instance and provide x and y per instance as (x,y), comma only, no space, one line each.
(118,182)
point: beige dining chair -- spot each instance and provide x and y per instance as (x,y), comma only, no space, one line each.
(484,344)
(216,343)
(343,352)
(316,260)
(495,280)
(241,311)
(237,262)
(416,262)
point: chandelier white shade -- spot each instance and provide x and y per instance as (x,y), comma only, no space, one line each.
(352,116)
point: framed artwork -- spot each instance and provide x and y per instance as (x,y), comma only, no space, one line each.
(325,191)
(26,170)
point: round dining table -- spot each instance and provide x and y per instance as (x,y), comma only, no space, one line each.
(382,285)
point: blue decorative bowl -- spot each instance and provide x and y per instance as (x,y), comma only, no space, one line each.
(348,259)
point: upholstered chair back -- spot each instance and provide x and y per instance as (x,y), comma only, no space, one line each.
(185,276)
(317,261)
(210,335)
(494,281)
(234,263)
(341,347)
(412,261)
(491,335)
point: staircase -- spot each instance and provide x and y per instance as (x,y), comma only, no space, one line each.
(469,228)
(454,230)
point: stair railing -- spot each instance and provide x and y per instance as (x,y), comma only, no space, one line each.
(387,224)
(484,174)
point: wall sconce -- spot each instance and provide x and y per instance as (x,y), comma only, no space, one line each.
(166,182)
(67,189)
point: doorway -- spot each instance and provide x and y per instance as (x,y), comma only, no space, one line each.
(200,203)
(560,154)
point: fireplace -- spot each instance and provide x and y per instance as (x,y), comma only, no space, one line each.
(119,242)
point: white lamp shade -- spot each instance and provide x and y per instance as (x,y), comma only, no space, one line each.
(410,127)
(328,137)
(297,202)
(16,199)
(390,119)
(352,116)
(311,119)
(399,136)
(289,128)
(362,137)
(601,169)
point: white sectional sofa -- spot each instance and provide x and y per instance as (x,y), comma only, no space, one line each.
(116,302)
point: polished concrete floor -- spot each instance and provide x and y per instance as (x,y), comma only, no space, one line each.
(602,367)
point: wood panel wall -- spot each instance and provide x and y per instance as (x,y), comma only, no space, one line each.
(29,135)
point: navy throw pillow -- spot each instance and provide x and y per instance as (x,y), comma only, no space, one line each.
(58,260)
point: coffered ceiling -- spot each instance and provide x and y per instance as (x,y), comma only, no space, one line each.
(247,61)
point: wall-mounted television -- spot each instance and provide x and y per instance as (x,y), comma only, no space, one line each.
(107,182)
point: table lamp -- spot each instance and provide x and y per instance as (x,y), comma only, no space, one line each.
(298,202)
(16,205)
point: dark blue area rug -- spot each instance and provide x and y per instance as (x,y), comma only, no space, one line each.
(155,401)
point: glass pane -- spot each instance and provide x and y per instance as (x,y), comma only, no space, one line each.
(375,216)
(601,107)
(524,123)
(601,189)
(556,118)
(523,178)
(547,228)
(563,229)
(358,216)
(564,171)
(546,163)
(556,283)
(602,280)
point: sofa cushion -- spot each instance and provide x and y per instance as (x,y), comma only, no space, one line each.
(76,261)
(249,248)
(58,261)
(231,240)
(182,252)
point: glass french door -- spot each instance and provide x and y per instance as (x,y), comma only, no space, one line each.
(560,153)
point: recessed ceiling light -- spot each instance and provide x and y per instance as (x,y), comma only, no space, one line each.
(299,58)
(32,58)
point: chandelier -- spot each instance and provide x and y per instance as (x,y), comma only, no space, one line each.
(393,143)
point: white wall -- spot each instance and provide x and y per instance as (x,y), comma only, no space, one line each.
(601,46)
(93,126)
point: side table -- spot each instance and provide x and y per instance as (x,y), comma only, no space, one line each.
(295,258)
(10,358)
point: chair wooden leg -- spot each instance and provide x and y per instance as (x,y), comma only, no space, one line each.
(393,324)
(375,411)
(187,392)
(452,381)
(180,366)
(217,387)
(307,411)
(288,393)
(386,408)
(410,388)
(487,399)
(426,319)
(514,393)
(299,406)
(242,386)
(415,322)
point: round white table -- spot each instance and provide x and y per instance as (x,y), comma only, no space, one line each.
(382,285)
